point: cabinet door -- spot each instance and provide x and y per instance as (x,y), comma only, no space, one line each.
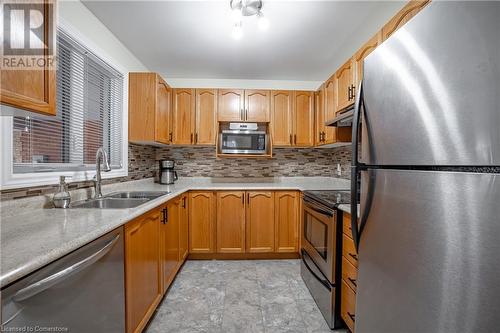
(257,105)
(206,113)
(163,114)
(260,222)
(201,222)
(344,82)
(286,208)
(363,52)
(329,109)
(231,222)
(404,15)
(183,116)
(183,229)
(230,105)
(282,117)
(319,108)
(170,242)
(303,119)
(32,90)
(142,269)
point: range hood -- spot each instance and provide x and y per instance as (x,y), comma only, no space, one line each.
(344,119)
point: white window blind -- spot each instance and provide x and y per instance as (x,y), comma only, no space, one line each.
(89,115)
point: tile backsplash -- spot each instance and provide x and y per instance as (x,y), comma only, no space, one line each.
(286,162)
(201,162)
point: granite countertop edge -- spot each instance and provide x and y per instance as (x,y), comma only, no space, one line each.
(66,230)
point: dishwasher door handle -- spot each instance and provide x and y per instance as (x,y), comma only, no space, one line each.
(55,278)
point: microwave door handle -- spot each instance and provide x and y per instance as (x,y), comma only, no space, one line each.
(55,278)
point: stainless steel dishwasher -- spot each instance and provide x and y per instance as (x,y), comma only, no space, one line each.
(81,292)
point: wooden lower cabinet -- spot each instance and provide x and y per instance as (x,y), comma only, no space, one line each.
(183,228)
(169,235)
(142,269)
(201,206)
(286,221)
(260,222)
(231,222)
(348,305)
(349,275)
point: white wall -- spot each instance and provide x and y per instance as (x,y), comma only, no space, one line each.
(243,84)
(74,13)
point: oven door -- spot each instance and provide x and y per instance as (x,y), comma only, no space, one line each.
(243,142)
(318,236)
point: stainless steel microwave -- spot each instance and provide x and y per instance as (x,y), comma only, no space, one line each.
(243,138)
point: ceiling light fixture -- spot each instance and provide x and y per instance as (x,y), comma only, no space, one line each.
(242,8)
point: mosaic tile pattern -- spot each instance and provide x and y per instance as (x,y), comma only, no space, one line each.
(239,296)
(286,162)
(201,162)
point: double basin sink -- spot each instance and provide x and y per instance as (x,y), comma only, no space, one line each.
(119,200)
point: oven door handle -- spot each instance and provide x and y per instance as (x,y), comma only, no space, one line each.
(315,207)
(324,281)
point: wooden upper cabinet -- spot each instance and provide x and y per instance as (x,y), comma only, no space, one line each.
(201,222)
(282,117)
(31,90)
(344,86)
(143,286)
(149,109)
(303,118)
(163,119)
(330,105)
(231,222)
(404,15)
(183,107)
(362,53)
(319,108)
(257,105)
(286,220)
(231,103)
(260,221)
(206,113)
(183,229)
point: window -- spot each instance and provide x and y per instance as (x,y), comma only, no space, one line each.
(89,115)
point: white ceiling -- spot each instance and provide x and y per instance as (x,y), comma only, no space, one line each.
(306,40)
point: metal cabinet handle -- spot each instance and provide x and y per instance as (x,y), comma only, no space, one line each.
(353,281)
(60,276)
(191,137)
(243,199)
(170,136)
(353,91)
(246,114)
(195,137)
(248,198)
(295,138)
(349,92)
(184,202)
(165,215)
(242,116)
(355,257)
(352,316)
(291,139)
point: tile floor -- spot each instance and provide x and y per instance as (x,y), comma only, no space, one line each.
(239,296)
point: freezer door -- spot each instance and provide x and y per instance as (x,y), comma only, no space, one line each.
(431,91)
(429,253)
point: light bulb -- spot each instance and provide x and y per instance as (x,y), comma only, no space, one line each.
(236,15)
(263,22)
(237,31)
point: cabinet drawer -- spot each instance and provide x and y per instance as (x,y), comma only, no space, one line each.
(348,305)
(349,250)
(349,273)
(346,222)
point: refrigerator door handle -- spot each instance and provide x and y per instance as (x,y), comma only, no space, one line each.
(355,166)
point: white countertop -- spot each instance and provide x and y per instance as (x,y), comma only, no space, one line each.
(37,236)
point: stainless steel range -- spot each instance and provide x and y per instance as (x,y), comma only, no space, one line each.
(322,250)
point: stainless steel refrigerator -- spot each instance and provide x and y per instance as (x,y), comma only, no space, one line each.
(428,164)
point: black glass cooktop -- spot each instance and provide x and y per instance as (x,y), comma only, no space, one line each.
(330,198)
